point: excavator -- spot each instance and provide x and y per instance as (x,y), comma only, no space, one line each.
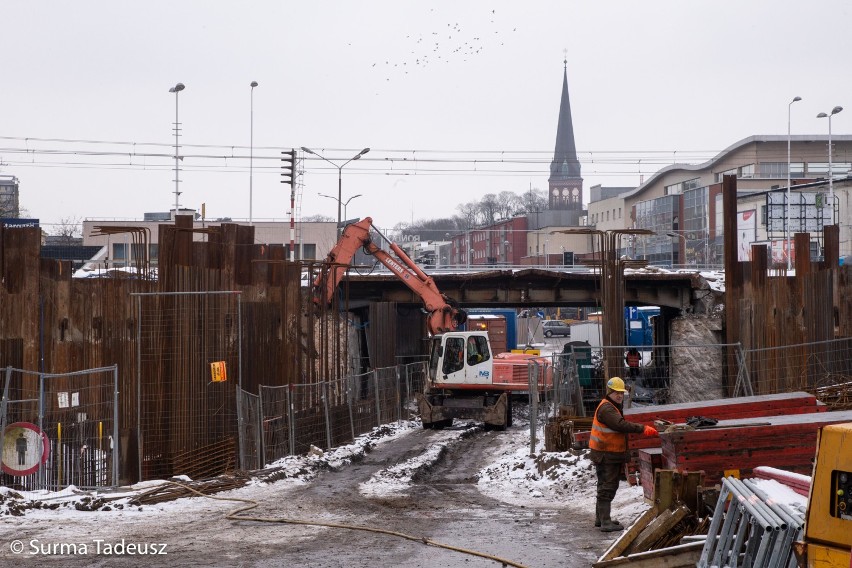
(466,380)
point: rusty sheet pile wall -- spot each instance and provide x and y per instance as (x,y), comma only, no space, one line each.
(173,419)
(768,308)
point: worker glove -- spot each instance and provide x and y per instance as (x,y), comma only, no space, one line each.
(649,431)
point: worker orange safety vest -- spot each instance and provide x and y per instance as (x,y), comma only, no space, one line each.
(605,439)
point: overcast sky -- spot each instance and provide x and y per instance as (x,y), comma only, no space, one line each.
(455,99)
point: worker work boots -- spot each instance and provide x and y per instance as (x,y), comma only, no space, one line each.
(603,520)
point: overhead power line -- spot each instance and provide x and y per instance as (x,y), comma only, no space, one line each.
(218,158)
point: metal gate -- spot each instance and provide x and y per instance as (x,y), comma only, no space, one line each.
(65,433)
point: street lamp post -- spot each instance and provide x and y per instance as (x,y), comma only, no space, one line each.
(834,111)
(177,89)
(339,175)
(251,150)
(787,208)
(345,203)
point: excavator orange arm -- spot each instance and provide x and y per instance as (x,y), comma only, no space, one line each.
(444,314)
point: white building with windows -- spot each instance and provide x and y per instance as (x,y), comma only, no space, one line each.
(682,203)
(313,240)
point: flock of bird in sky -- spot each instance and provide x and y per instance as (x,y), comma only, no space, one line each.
(444,46)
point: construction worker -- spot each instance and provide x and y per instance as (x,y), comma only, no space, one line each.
(633,358)
(608,444)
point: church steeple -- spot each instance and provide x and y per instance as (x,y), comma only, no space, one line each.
(566,184)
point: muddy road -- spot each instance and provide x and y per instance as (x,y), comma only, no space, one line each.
(422,484)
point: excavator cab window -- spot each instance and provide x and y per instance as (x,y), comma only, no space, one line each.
(435,357)
(453,355)
(477,350)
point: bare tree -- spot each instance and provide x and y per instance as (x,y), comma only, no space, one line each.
(67,230)
(470,213)
(431,229)
(507,204)
(532,201)
(317,219)
(9,209)
(490,207)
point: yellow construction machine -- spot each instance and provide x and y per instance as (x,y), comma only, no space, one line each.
(828,529)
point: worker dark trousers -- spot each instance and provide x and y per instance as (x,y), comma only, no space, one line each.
(609,474)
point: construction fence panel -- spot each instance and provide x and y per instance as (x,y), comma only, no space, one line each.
(288,420)
(67,435)
(274,420)
(750,529)
(362,399)
(388,405)
(665,373)
(189,356)
(308,417)
(823,368)
(248,419)
(339,413)
(413,380)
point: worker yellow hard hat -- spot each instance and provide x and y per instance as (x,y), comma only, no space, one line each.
(616,384)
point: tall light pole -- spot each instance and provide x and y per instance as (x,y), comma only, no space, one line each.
(345,203)
(177,89)
(834,111)
(339,175)
(251,150)
(787,208)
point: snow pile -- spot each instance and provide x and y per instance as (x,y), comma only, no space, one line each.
(395,480)
(516,476)
(547,478)
(302,469)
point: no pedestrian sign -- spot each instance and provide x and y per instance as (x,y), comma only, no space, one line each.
(24,449)
(218,373)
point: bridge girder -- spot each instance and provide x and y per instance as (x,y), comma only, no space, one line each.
(535,288)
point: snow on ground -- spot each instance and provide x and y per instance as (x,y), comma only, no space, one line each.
(544,479)
(396,479)
(514,477)
(71,501)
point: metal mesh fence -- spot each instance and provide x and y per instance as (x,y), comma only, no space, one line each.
(362,401)
(290,419)
(189,356)
(339,413)
(413,380)
(388,406)
(274,419)
(309,416)
(248,418)
(67,435)
(824,366)
(661,374)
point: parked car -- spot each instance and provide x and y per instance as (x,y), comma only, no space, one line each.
(556,327)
